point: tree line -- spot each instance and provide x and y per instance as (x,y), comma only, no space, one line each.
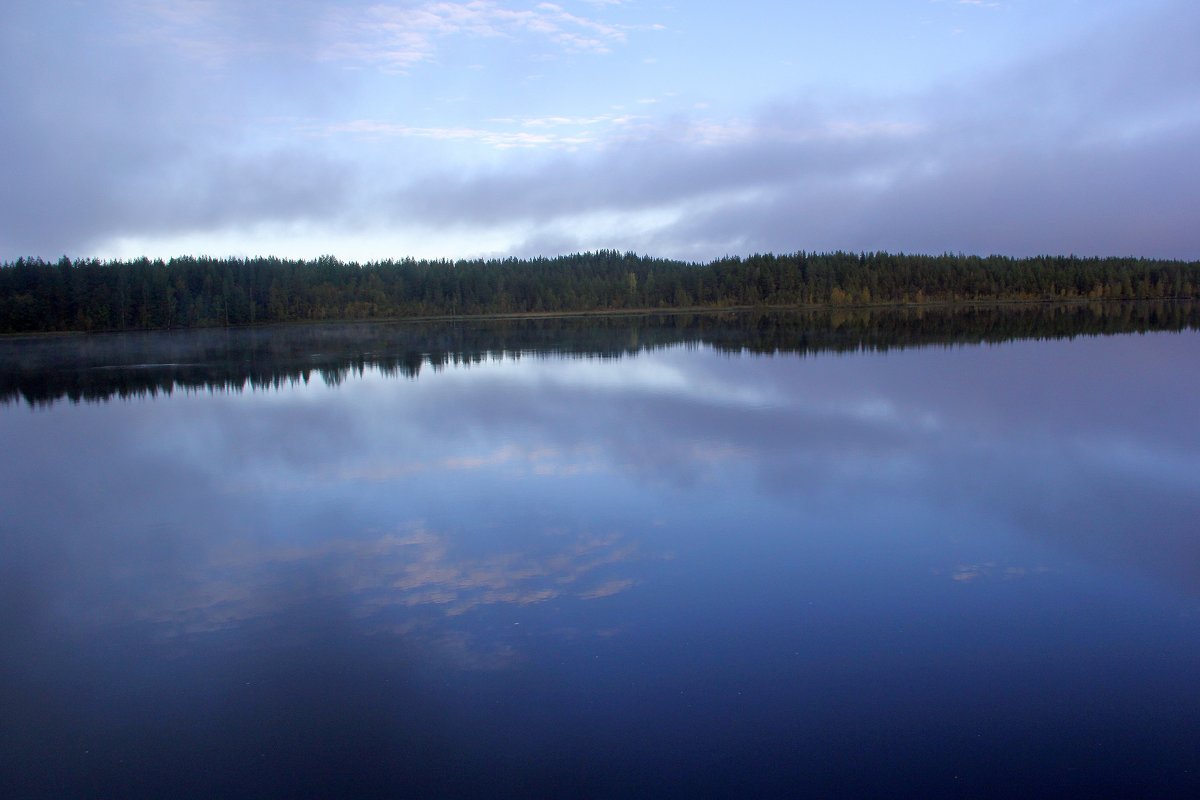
(187,292)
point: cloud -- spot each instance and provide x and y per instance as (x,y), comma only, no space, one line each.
(1081,150)
(208,117)
(121,137)
(398,37)
(161,120)
(672,164)
(191,28)
(533,133)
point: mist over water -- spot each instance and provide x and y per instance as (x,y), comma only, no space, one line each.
(620,558)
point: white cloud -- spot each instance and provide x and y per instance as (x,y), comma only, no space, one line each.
(493,138)
(191,28)
(552,131)
(399,37)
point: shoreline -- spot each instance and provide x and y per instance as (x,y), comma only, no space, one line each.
(611,313)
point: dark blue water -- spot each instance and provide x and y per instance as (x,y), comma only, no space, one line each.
(968,571)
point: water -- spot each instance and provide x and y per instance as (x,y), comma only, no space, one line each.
(609,558)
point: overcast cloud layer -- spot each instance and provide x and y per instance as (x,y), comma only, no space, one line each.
(450,129)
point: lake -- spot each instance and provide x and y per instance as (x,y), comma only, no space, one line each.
(833,555)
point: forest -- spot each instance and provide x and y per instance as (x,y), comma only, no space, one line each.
(86,295)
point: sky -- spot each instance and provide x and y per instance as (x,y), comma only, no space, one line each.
(494,128)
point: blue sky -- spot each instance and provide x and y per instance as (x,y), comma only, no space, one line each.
(495,127)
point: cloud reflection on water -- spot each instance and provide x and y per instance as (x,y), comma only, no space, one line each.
(411,582)
(201,512)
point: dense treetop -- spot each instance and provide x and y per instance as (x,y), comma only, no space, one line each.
(95,295)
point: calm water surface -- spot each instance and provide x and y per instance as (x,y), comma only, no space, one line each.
(685,571)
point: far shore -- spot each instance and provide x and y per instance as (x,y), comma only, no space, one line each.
(608,313)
